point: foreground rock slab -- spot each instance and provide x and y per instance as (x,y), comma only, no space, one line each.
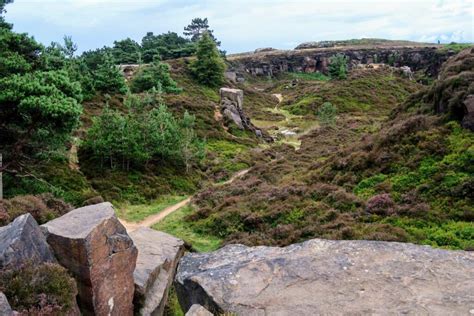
(158,256)
(22,241)
(96,249)
(329,277)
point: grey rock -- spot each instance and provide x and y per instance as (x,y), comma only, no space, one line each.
(158,256)
(5,309)
(321,277)
(198,310)
(231,107)
(92,244)
(22,241)
(231,76)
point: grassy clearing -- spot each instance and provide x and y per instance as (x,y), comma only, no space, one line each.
(314,76)
(176,225)
(136,213)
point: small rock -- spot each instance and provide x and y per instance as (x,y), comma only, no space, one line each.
(198,310)
(21,241)
(5,309)
(96,249)
(158,256)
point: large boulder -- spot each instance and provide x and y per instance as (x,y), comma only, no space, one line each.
(5,309)
(96,249)
(22,241)
(322,277)
(158,256)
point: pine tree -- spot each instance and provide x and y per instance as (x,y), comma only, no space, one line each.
(209,67)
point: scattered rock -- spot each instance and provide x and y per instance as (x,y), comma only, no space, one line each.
(93,200)
(158,256)
(328,277)
(96,249)
(198,310)
(5,309)
(22,241)
(231,107)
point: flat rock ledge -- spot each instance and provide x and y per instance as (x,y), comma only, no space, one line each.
(321,277)
(22,241)
(158,256)
(95,248)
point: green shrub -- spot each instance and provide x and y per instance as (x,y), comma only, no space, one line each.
(208,68)
(327,113)
(155,75)
(44,289)
(338,66)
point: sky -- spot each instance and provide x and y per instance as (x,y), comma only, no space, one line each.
(244,25)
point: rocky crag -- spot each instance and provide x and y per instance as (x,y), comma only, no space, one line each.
(427,58)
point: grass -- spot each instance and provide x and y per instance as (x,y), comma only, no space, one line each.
(136,213)
(314,76)
(176,225)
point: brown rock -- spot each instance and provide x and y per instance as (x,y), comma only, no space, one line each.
(96,249)
(158,256)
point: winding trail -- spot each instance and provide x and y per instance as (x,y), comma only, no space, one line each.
(155,218)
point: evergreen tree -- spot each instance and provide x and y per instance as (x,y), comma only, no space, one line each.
(126,51)
(197,28)
(155,75)
(108,78)
(209,67)
(338,66)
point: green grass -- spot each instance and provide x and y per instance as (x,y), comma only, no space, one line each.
(176,225)
(314,76)
(172,305)
(457,47)
(136,213)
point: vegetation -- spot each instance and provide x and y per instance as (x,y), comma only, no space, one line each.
(154,76)
(138,212)
(327,113)
(192,234)
(197,28)
(208,69)
(338,66)
(44,289)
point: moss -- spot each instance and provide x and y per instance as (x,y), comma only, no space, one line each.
(44,289)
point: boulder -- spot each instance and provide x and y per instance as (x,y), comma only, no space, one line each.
(96,249)
(198,310)
(22,241)
(5,309)
(322,277)
(231,107)
(158,256)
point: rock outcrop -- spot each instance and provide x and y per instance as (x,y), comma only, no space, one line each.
(272,63)
(22,241)
(96,249)
(321,277)
(198,310)
(5,309)
(231,107)
(158,256)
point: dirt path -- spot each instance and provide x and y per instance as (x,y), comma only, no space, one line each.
(153,219)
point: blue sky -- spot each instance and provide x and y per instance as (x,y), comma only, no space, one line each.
(244,25)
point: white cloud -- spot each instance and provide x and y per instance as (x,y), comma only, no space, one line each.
(246,24)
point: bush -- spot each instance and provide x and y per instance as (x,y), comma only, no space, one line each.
(338,66)
(327,114)
(381,204)
(44,289)
(209,67)
(42,207)
(154,76)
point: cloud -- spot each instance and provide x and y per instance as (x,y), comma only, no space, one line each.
(245,24)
